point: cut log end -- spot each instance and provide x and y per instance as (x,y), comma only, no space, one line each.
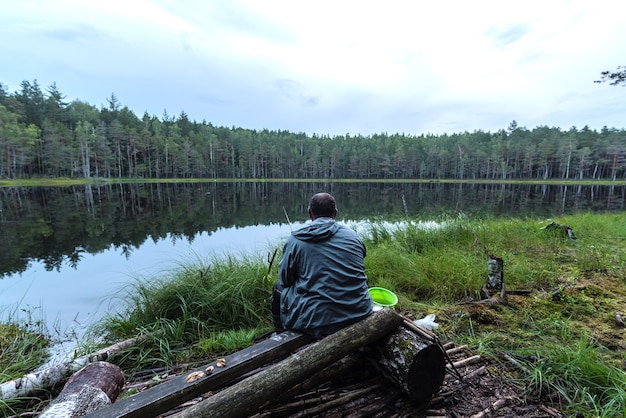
(426,373)
(91,388)
(415,364)
(105,376)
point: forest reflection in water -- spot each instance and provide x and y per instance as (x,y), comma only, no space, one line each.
(73,246)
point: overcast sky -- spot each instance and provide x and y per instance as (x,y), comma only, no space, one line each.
(328,67)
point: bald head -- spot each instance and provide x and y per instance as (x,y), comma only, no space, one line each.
(322,205)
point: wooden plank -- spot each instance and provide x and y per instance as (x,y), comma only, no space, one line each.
(167,395)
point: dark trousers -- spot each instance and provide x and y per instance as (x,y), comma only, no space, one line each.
(278,325)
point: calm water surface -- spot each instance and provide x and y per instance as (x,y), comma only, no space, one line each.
(66,252)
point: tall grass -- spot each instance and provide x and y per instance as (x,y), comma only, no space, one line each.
(221,296)
(578,373)
(446,259)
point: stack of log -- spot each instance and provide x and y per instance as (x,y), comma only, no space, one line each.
(385,345)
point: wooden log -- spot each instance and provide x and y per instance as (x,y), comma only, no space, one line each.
(245,397)
(282,405)
(35,382)
(167,395)
(475,373)
(57,374)
(455,350)
(417,365)
(322,407)
(338,368)
(91,388)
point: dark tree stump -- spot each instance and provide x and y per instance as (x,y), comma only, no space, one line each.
(495,273)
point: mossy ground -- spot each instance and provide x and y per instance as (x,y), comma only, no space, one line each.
(582,307)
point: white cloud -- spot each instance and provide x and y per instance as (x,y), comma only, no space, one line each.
(327,66)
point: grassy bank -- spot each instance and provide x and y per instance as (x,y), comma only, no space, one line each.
(561,338)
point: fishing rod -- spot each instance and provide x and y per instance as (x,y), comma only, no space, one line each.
(288,221)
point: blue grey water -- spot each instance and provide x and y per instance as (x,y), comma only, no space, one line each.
(71,299)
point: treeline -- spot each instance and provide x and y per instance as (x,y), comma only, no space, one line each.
(41,135)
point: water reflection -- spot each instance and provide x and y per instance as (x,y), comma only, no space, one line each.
(69,249)
(57,226)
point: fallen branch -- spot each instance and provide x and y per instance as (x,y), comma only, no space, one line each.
(488,411)
(516,363)
(552,390)
(317,410)
(467,361)
(372,409)
(455,350)
(550,411)
(476,372)
(299,405)
(521,292)
(57,374)
(336,369)
(104,353)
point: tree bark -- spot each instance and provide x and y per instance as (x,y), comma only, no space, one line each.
(91,388)
(245,397)
(415,364)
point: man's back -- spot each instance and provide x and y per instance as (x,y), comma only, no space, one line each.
(323,274)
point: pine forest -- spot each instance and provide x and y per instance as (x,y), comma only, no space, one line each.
(42,135)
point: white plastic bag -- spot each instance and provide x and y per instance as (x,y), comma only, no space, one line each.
(427,322)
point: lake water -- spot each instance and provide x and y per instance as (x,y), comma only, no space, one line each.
(73,297)
(66,252)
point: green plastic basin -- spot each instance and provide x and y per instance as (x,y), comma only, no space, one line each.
(383,297)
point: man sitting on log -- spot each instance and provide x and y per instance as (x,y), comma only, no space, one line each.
(322,285)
